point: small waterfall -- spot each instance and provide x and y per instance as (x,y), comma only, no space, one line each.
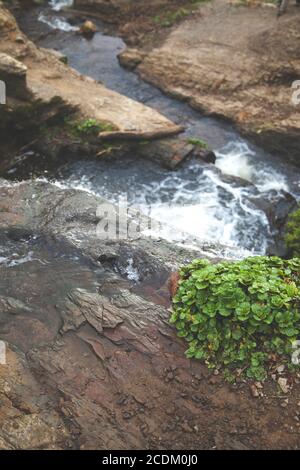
(196,201)
(57,5)
(237,159)
(56,22)
(191,201)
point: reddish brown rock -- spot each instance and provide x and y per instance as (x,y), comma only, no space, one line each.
(173,283)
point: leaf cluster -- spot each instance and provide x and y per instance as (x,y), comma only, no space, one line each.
(235,315)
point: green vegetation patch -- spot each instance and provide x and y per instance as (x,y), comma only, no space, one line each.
(239,315)
(292,237)
(85,129)
(92,127)
(198,143)
(171,17)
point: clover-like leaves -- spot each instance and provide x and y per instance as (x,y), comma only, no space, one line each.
(236,314)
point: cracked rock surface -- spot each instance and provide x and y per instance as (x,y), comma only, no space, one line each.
(91,360)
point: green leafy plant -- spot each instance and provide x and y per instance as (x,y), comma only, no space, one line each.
(292,237)
(93,127)
(64,60)
(198,143)
(87,128)
(238,315)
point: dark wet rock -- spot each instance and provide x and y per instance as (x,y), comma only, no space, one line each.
(237,181)
(139,265)
(168,153)
(208,156)
(277,207)
(72,214)
(107,258)
(283,203)
(13,73)
(284,143)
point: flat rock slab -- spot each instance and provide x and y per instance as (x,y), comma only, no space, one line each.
(48,77)
(93,100)
(234,62)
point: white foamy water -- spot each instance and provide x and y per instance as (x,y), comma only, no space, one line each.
(238,159)
(192,202)
(215,212)
(131,272)
(16,260)
(57,5)
(6,184)
(57,23)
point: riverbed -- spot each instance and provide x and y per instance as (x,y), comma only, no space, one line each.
(199,200)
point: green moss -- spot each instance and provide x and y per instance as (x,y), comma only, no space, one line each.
(93,127)
(235,315)
(292,237)
(88,128)
(64,60)
(198,143)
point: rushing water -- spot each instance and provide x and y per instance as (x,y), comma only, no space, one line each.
(54,21)
(196,199)
(57,23)
(193,199)
(57,5)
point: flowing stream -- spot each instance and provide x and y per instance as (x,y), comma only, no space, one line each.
(201,200)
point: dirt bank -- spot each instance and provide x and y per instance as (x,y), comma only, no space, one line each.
(235,62)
